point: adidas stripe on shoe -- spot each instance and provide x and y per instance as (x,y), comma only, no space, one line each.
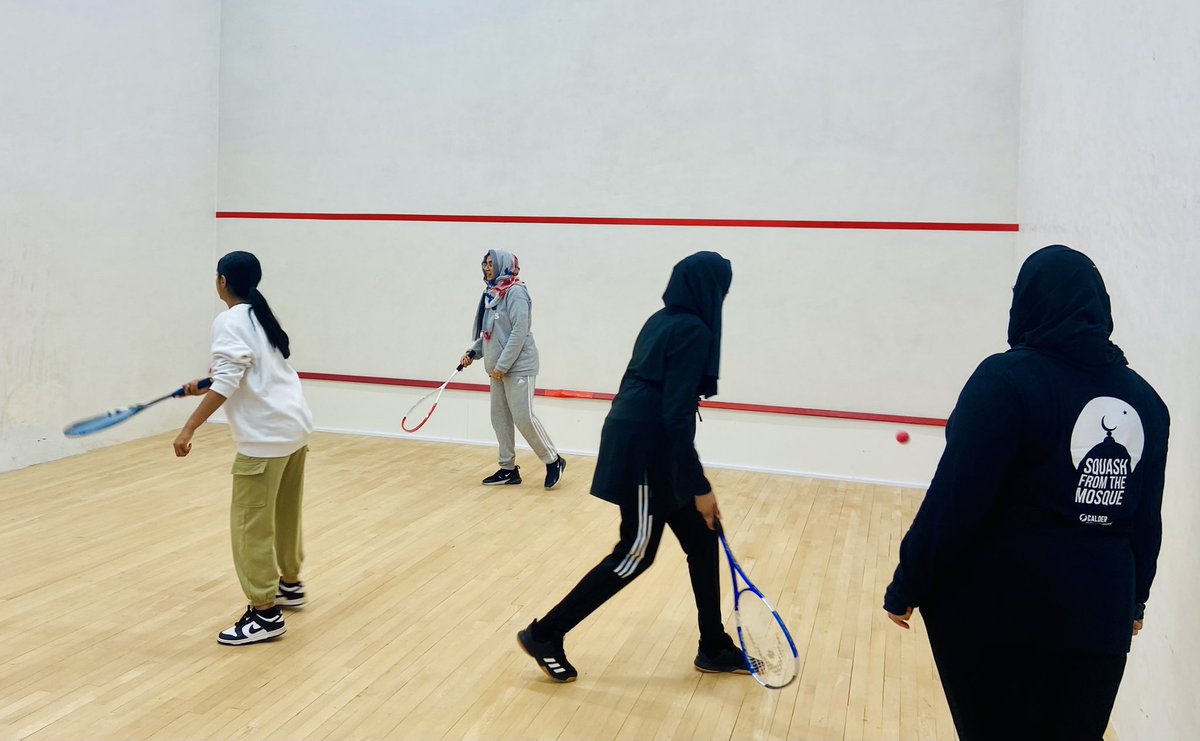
(549,655)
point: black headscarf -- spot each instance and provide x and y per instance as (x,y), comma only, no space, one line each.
(698,286)
(1061,308)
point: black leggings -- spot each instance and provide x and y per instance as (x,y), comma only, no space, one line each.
(633,554)
(1008,690)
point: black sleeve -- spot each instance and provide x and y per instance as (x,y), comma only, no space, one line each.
(982,438)
(1146,536)
(686,357)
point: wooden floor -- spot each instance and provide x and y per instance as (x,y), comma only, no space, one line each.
(115,576)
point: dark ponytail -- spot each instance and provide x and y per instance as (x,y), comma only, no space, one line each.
(242,273)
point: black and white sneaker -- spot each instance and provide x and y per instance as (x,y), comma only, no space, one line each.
(727,659)
(254,627)
(554,472)
(549,655)
(505,476)
(290,595)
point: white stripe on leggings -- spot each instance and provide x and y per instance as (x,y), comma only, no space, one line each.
(637,551)
(537,427)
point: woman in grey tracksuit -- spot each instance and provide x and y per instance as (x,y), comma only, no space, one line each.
(503,338)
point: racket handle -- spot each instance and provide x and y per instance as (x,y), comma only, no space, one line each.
(203,384)
(460,367)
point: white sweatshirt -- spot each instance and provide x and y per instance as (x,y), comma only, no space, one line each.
(265,403)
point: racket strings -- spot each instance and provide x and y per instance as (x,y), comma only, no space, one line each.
(420,412)
(100,422)
(768,650)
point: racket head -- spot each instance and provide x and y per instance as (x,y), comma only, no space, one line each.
(99,422)
(767,645)
(766,642)
(404,420)
(418,407)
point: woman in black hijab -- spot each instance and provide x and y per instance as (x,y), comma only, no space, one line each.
(648,466)
(1032,555)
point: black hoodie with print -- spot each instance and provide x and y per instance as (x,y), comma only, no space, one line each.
(1044,510)
(649,433)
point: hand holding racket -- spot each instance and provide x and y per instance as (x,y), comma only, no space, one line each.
(767,645)
(117,416)
(423,403)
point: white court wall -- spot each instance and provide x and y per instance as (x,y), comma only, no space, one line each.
(1109,155)
(868,112)
(108,141)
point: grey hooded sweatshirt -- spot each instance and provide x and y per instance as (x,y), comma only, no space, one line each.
(502,325)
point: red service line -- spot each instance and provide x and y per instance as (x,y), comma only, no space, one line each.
(601,396)
(937,226)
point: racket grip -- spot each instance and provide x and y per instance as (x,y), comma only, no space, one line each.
(203,384)
(456,370)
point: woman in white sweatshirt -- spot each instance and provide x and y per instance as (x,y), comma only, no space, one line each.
(271,423)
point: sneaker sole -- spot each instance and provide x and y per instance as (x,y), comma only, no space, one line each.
(260,638)
(292,603)
(545,670)
(508,482)
(720,671)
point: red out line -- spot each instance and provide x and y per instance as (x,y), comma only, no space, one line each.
(601,396)
(937,226)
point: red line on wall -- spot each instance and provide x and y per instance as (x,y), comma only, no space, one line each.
(601,396)
(939,226)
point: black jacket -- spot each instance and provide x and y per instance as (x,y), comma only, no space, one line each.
(649,433)
(1042,522)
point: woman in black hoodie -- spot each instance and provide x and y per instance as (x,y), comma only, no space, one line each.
(1032,554)
(648,466)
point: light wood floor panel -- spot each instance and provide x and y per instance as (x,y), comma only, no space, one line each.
(117,576)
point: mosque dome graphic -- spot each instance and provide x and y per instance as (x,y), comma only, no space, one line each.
(1106,446)
(1107,423)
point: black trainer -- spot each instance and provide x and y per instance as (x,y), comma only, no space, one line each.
(505,476)
(727,659)
(554,472)
(549,655)
(254,626)
(290,595)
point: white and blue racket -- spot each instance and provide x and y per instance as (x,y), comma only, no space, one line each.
(117,416)
(767,646)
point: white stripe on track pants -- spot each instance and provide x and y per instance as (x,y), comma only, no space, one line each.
(512,406)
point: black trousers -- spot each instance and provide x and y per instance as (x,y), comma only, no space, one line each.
(1006,690)
(641,532)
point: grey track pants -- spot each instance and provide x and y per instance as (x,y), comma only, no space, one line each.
(512,405)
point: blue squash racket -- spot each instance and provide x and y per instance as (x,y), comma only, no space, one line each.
(117,416)
(767,646)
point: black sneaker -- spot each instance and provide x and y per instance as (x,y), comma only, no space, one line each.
(254,627)
(506,476)
(554,472)
(290,595)
(549,655)
(727,659)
